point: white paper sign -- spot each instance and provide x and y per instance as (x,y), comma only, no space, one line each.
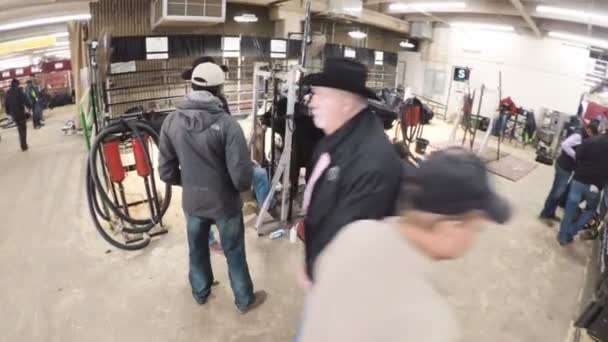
(121,68)
(157,44)
(278,45)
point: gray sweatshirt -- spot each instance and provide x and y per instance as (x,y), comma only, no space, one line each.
(204,150)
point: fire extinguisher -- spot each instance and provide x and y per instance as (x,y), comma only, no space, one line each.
(116,170)
(141,154)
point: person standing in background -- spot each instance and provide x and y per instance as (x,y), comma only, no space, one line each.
(15,104)
(590,176)
(214,245)
(204,150)
(564,167)
(33,95)
(374,281)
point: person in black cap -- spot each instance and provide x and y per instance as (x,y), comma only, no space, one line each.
(356,173)
(15,103)
(387,292)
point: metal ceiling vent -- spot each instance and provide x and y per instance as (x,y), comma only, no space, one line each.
(422,30)
(187,12)
(345,8)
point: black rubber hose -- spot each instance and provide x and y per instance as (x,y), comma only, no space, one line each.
(154,198)
(117,128)
(95,210)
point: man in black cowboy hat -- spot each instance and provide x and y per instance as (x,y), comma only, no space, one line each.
(356,173)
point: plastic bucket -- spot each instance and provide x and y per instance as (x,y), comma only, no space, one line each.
(421,145)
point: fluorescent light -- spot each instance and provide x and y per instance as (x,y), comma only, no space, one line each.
(58,52)
(426,6)
(480,26)
(355,9)
(406,44)
(14,63)
(60,34)
(579,39)
(586,16)
(44,21)
(65,43)
(357,34)
(246,18)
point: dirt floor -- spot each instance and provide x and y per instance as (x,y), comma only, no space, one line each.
(61,282)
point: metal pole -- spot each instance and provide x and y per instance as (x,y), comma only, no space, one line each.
(447,101)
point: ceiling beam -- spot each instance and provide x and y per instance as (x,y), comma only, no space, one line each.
(522,11)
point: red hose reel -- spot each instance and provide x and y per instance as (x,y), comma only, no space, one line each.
(111,152)
(141,164)
(116,169)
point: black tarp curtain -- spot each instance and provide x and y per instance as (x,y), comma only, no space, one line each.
(126,49)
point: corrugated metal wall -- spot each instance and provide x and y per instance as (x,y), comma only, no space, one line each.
(121,18)
(133,18)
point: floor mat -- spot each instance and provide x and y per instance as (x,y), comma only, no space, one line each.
(489,153)
(511,167)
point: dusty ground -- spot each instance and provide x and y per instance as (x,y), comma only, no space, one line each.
(61,282)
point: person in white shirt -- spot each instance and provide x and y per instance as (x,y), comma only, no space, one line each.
(374,280)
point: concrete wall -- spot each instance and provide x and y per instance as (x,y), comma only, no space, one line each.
(377,38)
(535,73)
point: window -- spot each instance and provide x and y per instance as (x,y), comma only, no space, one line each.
(58,66)
(378,57)
(6,74)
(231,46)
(19,72)
(157,48)
(350,52)
(278,48)
(434,82)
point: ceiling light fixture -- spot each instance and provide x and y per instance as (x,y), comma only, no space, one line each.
(406,44)
(44,21)
(246,18)
(60,34)
(426,6)
(56,53)
(14,63)
(579,39)
(480,26)
(64,43)
(356,34)
(586,16)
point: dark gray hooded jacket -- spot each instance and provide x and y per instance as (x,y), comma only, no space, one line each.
(204,150)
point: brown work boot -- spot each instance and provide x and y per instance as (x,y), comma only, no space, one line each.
(259,299)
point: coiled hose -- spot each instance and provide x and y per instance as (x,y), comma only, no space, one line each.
(102,211)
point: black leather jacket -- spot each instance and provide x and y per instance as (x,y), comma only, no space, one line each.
(361,182)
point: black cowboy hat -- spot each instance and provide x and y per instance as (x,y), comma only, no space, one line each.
(187,74)
(344,74)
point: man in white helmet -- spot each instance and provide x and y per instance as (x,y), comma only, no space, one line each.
(203,149)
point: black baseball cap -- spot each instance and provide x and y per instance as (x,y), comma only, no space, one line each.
(452,182)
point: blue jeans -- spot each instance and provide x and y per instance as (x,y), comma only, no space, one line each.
(578,192)
(36,114)
(261,185)
(560,183)
(232,238)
